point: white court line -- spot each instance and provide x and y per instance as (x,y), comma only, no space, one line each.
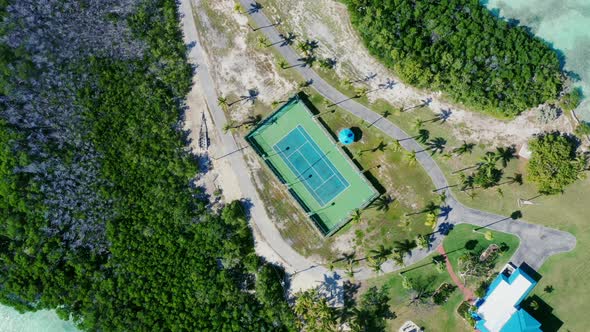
(313,166)
(282,138)
(341,192)
(296,150)
(320,185)
(309,167)
(329,164)
(322,155)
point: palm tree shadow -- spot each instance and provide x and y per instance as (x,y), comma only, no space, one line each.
(255,7)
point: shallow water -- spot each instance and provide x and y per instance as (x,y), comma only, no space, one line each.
(565,24)
(40,321)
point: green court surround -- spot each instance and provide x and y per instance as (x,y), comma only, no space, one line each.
(344,187)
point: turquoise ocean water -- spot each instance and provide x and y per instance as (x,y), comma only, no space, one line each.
(563,23)
(40,321)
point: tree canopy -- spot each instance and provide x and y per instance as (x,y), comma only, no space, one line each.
(100,217)
(554,162)
(461,48)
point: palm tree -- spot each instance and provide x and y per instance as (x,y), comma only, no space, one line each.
(437,144)
(431,207)
(406,283)
(405,223)
(439,265)
(230,124)
(489,160)
(356,216)
(349,270)
(349,257)
(422,241)
(359,154)
(464,148)
(418,123)
(382,202)
(398,258)
(500,192)
(303,47)
(222,102)
(283,63)
(517,178)
(446,156)
(375,263)
(430,220)
(404,247)
(395,146)
(467,181)
(442,197)
(308,60)
(238,8)
(360,91)
(327,63)
(380,147)
(381,252)
(347,82)
(410,157)
(505,155)
(262,41)
(386,113)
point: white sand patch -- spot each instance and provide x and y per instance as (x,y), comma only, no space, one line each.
(241,68)
(221,175)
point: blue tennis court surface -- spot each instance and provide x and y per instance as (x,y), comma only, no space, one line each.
(310,165)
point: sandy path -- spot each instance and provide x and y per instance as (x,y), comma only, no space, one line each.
(231,167)
(468,294)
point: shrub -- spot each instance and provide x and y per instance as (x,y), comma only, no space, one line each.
(554,163)
(583,129)
(571,100)
(442,294)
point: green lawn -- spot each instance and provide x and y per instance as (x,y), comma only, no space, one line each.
(463,239)
(439,318)
(433,318)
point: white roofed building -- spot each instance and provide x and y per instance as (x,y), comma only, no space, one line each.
(499,310)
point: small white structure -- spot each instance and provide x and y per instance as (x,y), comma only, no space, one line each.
(410,326)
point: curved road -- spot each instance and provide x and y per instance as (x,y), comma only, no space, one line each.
(536,242)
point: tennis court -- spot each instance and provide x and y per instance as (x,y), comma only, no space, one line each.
(311,166)
(313,169)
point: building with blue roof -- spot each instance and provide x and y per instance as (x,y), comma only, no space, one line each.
(499,310)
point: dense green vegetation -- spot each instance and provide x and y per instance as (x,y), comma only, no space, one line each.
(370,313)
(554,163)
(460,48)
(99,216)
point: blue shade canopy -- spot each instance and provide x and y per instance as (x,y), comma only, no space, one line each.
(346,136)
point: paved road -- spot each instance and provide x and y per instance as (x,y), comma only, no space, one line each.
(537,242)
